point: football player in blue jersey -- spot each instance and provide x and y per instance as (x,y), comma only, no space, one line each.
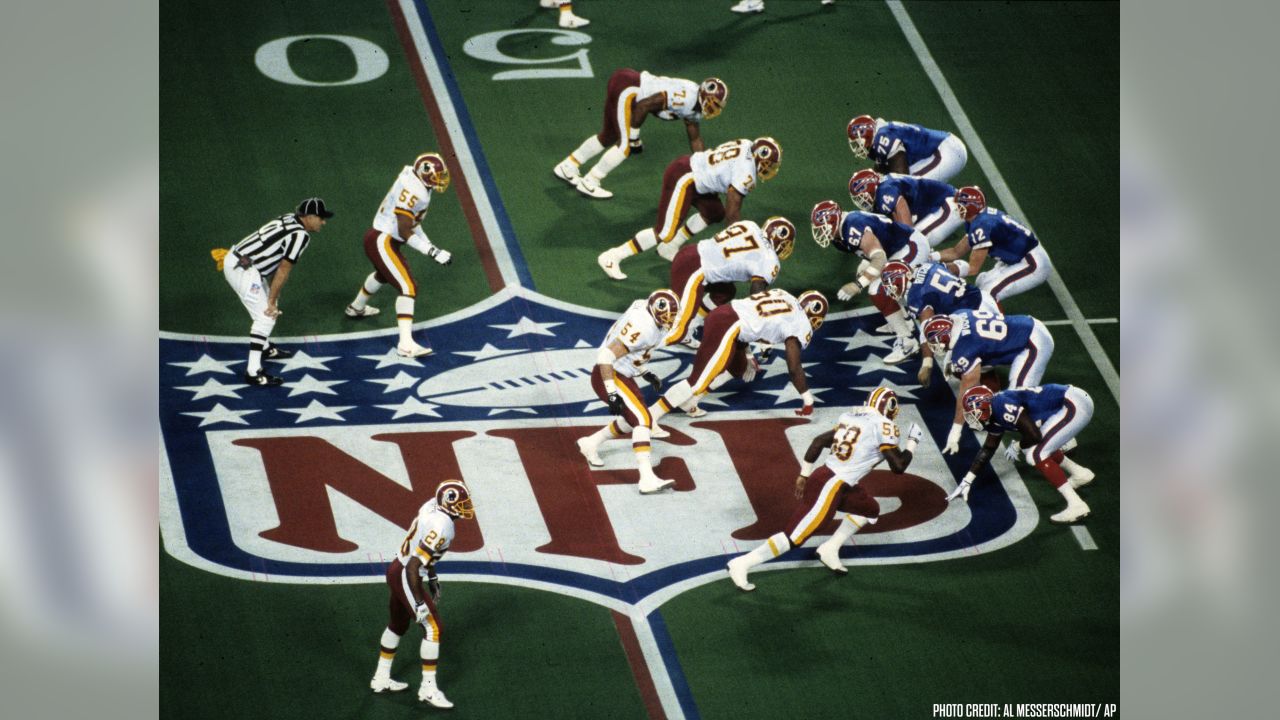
(876,240)
(930,290)
(927,205)
(1046,418)
(1021,262)
(979,341)
(907,149)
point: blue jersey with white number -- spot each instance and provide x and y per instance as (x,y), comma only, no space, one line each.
(923,196)
(1041,403)
(935,287)
(893,236)
(917,142)
(1009,240)
(989,339)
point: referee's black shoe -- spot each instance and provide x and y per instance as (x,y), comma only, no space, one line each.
(262,379)
(275,352)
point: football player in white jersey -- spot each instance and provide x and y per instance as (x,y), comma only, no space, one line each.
(861,438)
(698,180)
(425,542)
(623,357)
(399,222)
(704,274)
(771,317)
(630,98)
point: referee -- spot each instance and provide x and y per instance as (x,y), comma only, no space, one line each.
(267,256)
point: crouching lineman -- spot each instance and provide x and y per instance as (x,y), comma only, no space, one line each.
(630,98)
(1046,418)
(697,181)
(931,290)
(770,317)
(397,223)
(980,341)
(926,205)
(704,274)
(861,438)
(906,149)
(1021,262)
(624,356)
(426,542)
(876,240)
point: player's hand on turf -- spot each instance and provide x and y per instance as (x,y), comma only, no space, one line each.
(615,404)
(654,381)
(962,490)
(924,375)
(848,291)
(805,411)
(444,257)
(1011,452)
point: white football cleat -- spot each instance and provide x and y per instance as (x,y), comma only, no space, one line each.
(695,412)
(749,6)
(903,348)
(550,3)
(657,432)
(1081,477)
(591,188)
(588,450)
(738,573)
(384,684)
(885,329)
(1074,512)
(413,350)
(567,172)
(431,694)
(652,484)
(691,342)
(609,262)
(367,311)
(571,21)
(830,556)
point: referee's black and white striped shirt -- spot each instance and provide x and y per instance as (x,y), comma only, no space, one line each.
(283,237)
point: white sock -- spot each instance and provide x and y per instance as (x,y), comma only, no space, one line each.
(430,652)
(1072,467)
(777,544)
(589,148)
(695,224)
(848,526)
(371,286)
(387,653)
(646,239)
(404,318)
(676,396)
(1069,493)
(613,157)
(898,321)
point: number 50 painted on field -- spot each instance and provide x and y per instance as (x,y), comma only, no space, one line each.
(485,47)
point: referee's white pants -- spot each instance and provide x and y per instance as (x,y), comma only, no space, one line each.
(945,163)
(252,291)
(1060,428)
(1004,281)
(1028,367)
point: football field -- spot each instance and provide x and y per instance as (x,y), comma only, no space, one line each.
(571,596)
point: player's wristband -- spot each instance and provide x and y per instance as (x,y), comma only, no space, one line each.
(806,468)
(969,477)
(610,387)
(911,445)
(962,268)
(926,362)
(807,397)
(935,256)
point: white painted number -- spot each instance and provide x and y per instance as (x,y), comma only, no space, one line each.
(272,60)
(485,47)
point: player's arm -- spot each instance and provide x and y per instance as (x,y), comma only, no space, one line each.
(405,223)
(645,107)
(695,136)
(902,211)
(1028,432)
(926,352)
(732,206)
(758,284)
(414,569)
(796,369)
(604,362)
(898,164)
(900,458)
(968,380)
(811,456)
(277,283)
(867,271)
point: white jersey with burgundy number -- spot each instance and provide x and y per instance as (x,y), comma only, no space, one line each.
(738,253)
(772,316)
(726,165)
(428,537)
(862,436)
(639,334)
(682,96)
(407,197)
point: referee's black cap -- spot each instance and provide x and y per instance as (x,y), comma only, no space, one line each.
(313,206)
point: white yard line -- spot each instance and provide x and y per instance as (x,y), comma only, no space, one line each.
(1083,537)
(1007,200)
(1091,321)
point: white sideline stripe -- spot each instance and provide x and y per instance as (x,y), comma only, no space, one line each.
(1091,321)
(657,667)
(1083,537)
(479,193)
(1007,200)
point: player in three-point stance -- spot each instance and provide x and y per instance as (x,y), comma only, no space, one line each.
(1021,262)
(861,438)
(927,205)
(399,223)
(1046,418)
(427,540)
(624,356)
(906,149)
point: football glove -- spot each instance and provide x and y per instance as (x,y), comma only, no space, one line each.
(762,350)
(1011,452)
(654,381)
(962,490)
(848,291)
(444,257)
(953,440)
(637,146)
(615,404)
(916,433)
(433,587)
(421,612)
